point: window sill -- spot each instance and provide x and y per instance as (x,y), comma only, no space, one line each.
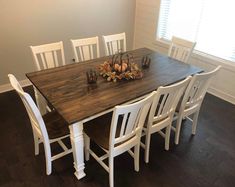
(201,56)
(209,58)
(162,43)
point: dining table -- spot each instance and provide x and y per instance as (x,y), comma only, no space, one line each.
(66,89)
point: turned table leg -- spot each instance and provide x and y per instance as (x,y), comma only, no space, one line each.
(76,137)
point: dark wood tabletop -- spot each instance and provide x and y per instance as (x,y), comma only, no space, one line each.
(66,88)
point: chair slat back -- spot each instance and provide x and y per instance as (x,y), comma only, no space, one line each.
(114,43)
(46,56)
(166,100)
(181,49)
(131,119)
(35,117)
(197,88)
(86,49)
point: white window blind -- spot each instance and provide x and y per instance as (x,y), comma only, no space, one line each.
(208,22)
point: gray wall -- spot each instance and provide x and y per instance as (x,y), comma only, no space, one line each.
(34,22)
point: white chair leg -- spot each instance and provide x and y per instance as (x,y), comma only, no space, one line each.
(177,130)
(147,146)
(167,137)
(194,126)
(136,157)
(36,143)
(87,147)
(111,182)
(47,150)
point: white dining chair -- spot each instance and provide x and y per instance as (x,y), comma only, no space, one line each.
(161,113)
(114,43)
(47,56)
(123,134)
(192,101)
(181,49)
(47,129)
(85,49)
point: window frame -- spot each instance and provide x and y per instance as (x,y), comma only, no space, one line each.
(166,44)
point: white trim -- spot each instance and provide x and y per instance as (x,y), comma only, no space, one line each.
(215,61)
(162,43)
(211,60)
(222,95)
(229,65)
(8,87)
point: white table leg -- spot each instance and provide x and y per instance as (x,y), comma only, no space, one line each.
(76,137)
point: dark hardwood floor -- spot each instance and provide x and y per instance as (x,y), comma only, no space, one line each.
(206,159)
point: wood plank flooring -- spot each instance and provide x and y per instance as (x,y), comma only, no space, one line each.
(206,159)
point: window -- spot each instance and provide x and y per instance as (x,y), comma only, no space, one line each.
(208,22)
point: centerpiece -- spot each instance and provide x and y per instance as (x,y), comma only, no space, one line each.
(120,66)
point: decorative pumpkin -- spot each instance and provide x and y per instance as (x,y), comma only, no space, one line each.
(116,67)
(124,67)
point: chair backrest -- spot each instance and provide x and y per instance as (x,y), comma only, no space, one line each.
(197,89)
(35,117)
(130,119)
(83,49)
(166,100)
(181,49)
(48,55)
(114,43)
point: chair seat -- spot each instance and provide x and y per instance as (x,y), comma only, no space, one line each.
(178,107)
(98,130)
(55,124)
(158,121)
(155,122)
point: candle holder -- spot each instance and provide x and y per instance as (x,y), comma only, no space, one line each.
(121,62)
(91,76)
(120,66)
(146,62)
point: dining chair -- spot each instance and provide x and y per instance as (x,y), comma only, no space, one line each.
(192,101)
(86,48)
(47,56)
(114,43)
(181,49)
(161,113)
(47,129)
(123,134)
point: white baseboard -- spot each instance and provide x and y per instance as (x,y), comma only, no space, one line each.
(222,95)
(8,87)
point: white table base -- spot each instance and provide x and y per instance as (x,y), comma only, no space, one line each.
(77,142)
